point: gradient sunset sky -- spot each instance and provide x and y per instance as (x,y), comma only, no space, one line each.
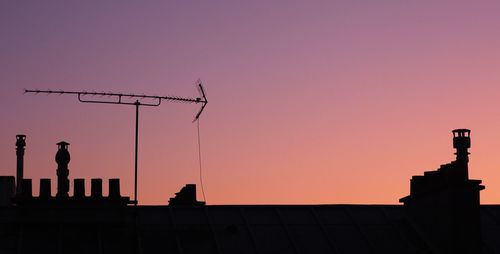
(309,101)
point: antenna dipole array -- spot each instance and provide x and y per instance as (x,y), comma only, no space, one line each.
(119,97)
(128,99)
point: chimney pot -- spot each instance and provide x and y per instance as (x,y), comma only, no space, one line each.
(7,190)
(96,187)
(114,188)
(45,188)
(26,189)
(79,188)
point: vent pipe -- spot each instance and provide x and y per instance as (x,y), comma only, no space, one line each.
(20,144)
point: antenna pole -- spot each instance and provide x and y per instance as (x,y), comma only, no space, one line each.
(137,103)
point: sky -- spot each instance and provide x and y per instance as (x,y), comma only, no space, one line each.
(310,102)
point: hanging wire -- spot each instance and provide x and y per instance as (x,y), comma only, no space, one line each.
(199,160)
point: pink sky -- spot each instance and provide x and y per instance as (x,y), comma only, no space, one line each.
(310,101)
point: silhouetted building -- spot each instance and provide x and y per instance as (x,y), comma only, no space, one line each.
(441,215)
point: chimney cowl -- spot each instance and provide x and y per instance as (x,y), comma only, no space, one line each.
(20,140)
(62,155)
(461,142)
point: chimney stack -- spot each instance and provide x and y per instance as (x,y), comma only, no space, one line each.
(443,205)
(62,159)
(20,144)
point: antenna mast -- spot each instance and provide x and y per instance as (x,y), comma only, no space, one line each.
(118,98)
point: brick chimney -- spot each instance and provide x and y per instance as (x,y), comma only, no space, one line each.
(443,205)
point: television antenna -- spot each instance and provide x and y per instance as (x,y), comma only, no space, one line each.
(127,99)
